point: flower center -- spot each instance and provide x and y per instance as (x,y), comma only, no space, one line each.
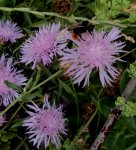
(92,55)
(48,122)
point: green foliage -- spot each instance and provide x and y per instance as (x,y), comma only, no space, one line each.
(116,7)
(109,9)
(7,136)
(105,106)
(5,146)
(66,87)
(122,137)
(13,86)
(116,140)
(101,9)
(132,70)
(128,108)
(130,123)
(124,80)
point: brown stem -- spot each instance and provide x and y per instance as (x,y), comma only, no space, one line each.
(113,117)
(129,88)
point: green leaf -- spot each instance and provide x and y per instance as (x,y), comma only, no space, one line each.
(101,9)
(40,23)
(129,139)
(115,140)
(31,96)
(71,19)
(124,80)
(133,96)
(105,106)
(8,136)
(132,147)
(68,145)
(25,146)
(116,7)
(5,146)
(66,87)
(18,123)
(131,124)
(13,86)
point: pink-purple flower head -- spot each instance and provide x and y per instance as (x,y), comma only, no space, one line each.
(98,50)
(45,124)
(42,47)
(9,73)
(9,31)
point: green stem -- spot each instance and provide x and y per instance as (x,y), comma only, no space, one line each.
(12,104)
(77,107)
(19,146)
(42,14)
(85,126)
(128,53)
(27,92)
(11,118)
(40,84)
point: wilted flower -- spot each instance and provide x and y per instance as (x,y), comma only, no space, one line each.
(97,50)
(9,31)
(9,73)
(42,47)
(2,120)
(45,124)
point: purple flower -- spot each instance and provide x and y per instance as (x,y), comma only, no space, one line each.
(98,50)
(45,124)
(42,47)
(9,31)
(2,120)
(9,73)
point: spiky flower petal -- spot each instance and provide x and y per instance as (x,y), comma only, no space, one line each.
(9,73)
(9,31)
(98,50)
(45,124)
(42,47)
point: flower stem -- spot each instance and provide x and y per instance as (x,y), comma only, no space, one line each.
(40,84)
(12,104)
(11,118)
(72,18)
(128,53)
(77,106)
(85,126)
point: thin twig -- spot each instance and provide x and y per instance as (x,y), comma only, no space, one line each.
(70,19)
(129,52)
(113,117)
(129,88)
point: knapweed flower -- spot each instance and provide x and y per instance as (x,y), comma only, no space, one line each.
(9,31)
(2,120)
(98,50)
(9,73)
(42,47)
(45,124)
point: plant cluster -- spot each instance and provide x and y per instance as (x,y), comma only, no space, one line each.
(63,64)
